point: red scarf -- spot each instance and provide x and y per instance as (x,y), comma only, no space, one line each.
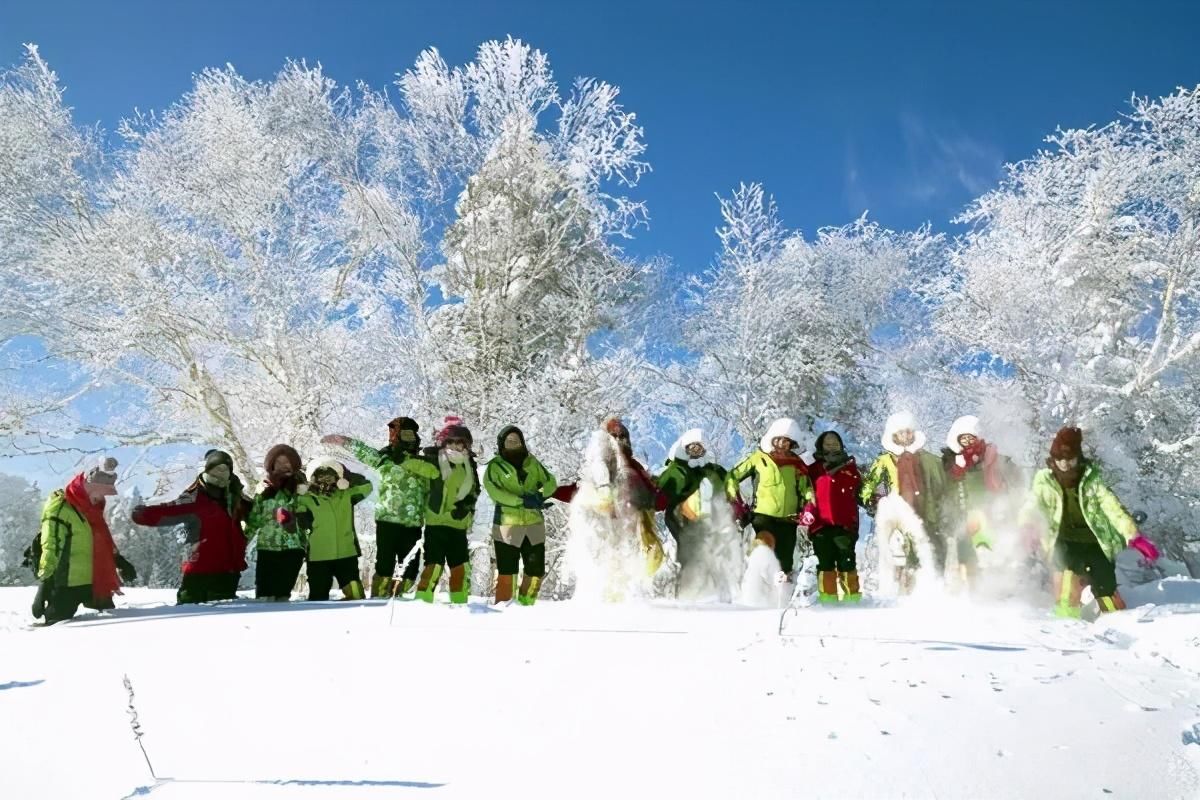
(911,480)
(789,459)
(977,453)
(105,582)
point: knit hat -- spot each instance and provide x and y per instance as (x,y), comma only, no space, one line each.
(453,428)
(405,424)
(1068,443)
(103,473)
(615,428)
(282,450)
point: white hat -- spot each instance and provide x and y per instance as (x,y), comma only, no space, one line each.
(784,426)
(325,462)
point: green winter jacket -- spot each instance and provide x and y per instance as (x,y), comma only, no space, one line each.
(680,480)
(442,509)
(402,493)
(777,492)
(66,540)
(1108,519)
(261,523)
(506,488)
(330,521)
(885,471)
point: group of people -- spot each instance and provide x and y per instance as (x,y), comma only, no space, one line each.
(923,506)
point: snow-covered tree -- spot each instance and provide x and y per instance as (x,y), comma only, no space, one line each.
(786,326)
(1081,278)
(20,520)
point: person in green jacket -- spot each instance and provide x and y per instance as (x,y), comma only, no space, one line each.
(688,466)
(76,561)
(903,491)
(520,486)
(1082,526)
(453,478)
(272,524)
(326,510)
(399,507)
(781,490)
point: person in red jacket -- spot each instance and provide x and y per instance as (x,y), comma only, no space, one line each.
(211,510)
(834,513)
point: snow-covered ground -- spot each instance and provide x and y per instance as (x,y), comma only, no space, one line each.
(363,700)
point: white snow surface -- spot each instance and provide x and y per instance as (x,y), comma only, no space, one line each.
(928,699)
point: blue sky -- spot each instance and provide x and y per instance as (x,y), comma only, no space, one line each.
(903,109)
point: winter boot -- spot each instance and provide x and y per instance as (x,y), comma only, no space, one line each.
(381,586)
(1110,604)
(353,591)
(827,587)
(504,588)
(429,581)
(851,593)
(529,591)
(1069,591)
(459,584)
(407,586)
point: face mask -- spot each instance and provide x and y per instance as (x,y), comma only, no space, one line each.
(217,477)
(1066,464)
(456,456)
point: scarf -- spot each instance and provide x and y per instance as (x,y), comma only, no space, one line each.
(517,459)
(105,582)
(908,475)
(447,467)
(979,453)
(833,461)
(788,459)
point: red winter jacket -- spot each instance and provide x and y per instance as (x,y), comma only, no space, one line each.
(837,496)
(218,545)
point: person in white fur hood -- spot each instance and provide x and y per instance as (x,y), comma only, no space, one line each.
(903,491)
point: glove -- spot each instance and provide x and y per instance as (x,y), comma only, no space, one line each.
(285,518)
(741,512)
(532,500)
(806,519)
(126,570)
(460,511)
(1144,546)
(982,541)
(40,599)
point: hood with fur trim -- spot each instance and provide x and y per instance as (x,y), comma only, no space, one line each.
(325,462)
(679,449)
(898,422)
(784,426)
(963,425)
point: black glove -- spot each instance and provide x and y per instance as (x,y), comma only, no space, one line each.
(460,511)
(532,500)
(126,570)
(41,599)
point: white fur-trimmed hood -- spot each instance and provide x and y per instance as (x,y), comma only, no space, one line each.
(691,436)
(897,422)
(784,426)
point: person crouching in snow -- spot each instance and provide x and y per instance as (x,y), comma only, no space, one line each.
(1083,526)
(211,511)
(977,487)
(834,531)
(781,492)
(449,510)
(399,507)
(699,519)
(520,486)
(325,508)
(903,490)
(77,561)
(272,524)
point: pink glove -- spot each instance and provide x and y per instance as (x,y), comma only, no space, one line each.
(283,516)
(741,511)
(1145,547)
(807,519)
